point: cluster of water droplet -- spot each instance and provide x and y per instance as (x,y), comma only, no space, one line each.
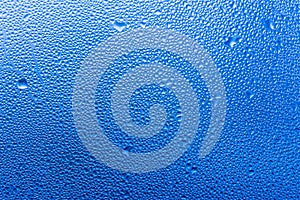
(255,45)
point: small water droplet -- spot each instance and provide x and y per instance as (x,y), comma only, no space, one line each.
(126,150)
(251,172)
(232,41)
(3,15)
(269,25)
(233,5)
(119,25)
(22,84)
(26,17)
(143,23)
(158,12)
(249,94)
(188,167)
(194,170)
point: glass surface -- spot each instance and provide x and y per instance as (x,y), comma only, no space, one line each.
(150,100)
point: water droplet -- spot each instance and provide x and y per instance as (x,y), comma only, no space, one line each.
(233,5)
(251,172)
(126,150)
(143,23)
(158,12)
(232,41)
(26,17)
(194,169)
(119,25)
(3,15)
(22,84)
(188,167)
(269,25)
(249,94)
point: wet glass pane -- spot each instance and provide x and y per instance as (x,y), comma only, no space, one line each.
(150,99)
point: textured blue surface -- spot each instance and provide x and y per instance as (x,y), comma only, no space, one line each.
(255,46)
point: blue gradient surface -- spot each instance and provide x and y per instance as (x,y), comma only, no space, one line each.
(255,46)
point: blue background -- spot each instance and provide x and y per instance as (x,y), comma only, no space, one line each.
(255,46)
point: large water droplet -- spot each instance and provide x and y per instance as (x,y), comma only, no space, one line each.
(22,84)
